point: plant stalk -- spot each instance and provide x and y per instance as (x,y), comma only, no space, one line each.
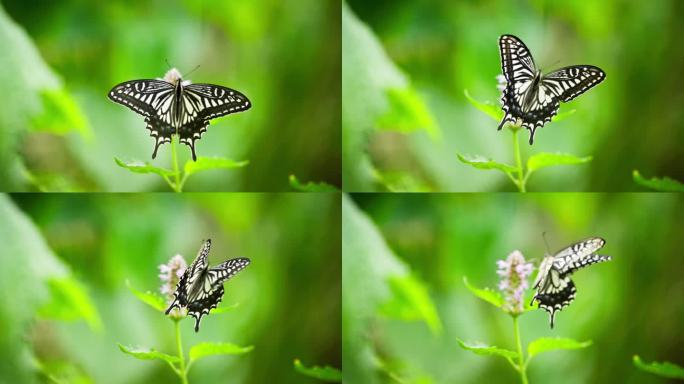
(518,161)
(522,367)
(176,174)
(183,371)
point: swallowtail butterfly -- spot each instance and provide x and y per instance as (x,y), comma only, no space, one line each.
(175,106)
(555,289)
(200,289)
(532,99)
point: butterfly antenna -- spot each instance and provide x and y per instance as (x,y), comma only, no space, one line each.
(167,63)
(546,242)
(196,68)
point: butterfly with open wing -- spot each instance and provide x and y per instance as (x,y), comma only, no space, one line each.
(555,289)
(200,289)
(532,99)
(173,106)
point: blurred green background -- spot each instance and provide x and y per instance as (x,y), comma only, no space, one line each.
(289,297)
(630,305)
(407,63)
(59,131)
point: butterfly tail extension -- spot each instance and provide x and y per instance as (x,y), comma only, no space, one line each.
(174,304)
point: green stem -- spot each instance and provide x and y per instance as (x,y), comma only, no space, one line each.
(522,367)
(183,371)
(176,173)
(518,161)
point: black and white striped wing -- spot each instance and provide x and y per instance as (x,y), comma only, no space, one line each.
(152,99)
(567,83)
(523,98)
(210,295)
(579,255)
(516,60)
(203,102)
(191,278)
(555,289)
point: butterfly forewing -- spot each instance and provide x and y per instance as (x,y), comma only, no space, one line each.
(569,82)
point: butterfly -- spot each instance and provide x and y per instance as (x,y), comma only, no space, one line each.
(555,289)
(531,98)
(200,289)
(175,106)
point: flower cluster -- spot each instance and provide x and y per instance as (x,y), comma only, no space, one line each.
(514,272)
(170,273)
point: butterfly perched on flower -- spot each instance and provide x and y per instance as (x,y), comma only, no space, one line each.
(173,106)
(555,289)
(531,98)
(200,289)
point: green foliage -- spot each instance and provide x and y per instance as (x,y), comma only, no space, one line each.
(311,186)
(480,162)
(410,302)
(36,282)
(375,96)
(407,113)
(37,100)
(149,354)
(325,373)
(543,160)
(487,294)
(664,369)
(176,179)
(70,302)
(546,344)
(664,184)
(517,173)
(153,299)
(201,350)
(374,280)
(486,350)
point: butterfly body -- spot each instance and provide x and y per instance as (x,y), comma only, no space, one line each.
(532,99)
(176,106)
(555,289)
(200,288)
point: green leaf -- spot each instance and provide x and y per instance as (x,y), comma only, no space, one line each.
(206,163)
(152,299)
(27,265)
(325,373)
(480,162)
(542,160)
(492,297)
(546,344)
(494,111)
(149,354)
(563,115)
(367,73)
(664,184)
(143,167)
(224,309)
(664,369)
(407,112)
(60,114)
(210,349)
(487,350)
(69,302)
(411,301)
(311,186)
